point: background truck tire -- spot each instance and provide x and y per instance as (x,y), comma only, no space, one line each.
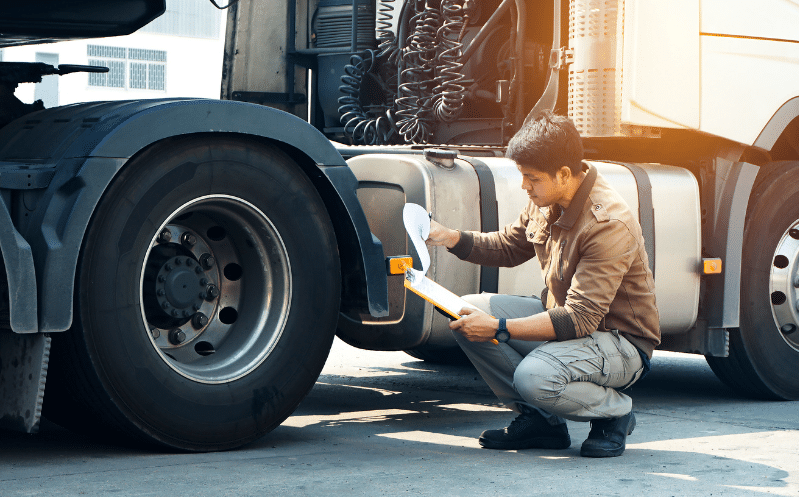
(764,352)
(208,293)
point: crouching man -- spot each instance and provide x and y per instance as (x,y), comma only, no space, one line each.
(598,315)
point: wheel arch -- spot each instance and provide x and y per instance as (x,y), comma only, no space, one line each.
(780,136)
(104,137)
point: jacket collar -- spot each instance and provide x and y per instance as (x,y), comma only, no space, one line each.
(569,217)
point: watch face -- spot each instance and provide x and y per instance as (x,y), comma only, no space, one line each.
(502,336)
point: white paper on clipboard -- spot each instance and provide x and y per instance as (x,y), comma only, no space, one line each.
(434,293)
(417,224)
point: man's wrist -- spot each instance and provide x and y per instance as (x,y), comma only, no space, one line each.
(453,238)
(502,335)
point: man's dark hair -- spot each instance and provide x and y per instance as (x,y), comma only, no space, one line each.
(546,144)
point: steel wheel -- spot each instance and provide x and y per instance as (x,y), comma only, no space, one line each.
(784,286)
(217,270)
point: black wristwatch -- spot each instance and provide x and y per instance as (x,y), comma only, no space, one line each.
(502,335)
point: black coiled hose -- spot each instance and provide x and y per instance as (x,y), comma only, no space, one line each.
(415,102)
(362,128)
(429,87)
(449,93)
(387,42)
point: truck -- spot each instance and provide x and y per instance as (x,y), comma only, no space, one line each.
(177,269)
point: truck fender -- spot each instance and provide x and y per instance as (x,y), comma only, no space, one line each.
(89,143)
(777,124)
(723,237)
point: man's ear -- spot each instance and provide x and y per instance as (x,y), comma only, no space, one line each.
(564,174)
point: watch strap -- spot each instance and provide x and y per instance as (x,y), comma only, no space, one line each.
(502,335)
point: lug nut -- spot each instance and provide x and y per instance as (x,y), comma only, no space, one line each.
(212,292)
(199,320)
(176,336)
(165,236)
(161,292)
(169,267)
(161,278)
(165,305)
(156,333)
(188,239)
(207,260)
(178,261)
(175,312)
(203,281)
(198,270)
(189,261)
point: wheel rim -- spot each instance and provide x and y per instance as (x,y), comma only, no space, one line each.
(215,289)
(784,286)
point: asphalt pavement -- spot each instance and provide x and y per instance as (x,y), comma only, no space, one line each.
(384,423)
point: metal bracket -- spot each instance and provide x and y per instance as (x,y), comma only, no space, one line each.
(559,58)
(19,176)
(699,340)
(717,342)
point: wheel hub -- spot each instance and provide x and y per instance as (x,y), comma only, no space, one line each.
(784,286)
(180,286)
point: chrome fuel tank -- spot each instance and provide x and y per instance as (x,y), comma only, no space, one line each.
(451,193)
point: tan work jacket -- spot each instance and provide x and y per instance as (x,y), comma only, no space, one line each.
(592,258)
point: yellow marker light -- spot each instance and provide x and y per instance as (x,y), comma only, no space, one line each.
(399,264)
(711,266)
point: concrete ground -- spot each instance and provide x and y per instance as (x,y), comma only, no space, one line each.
(384,423)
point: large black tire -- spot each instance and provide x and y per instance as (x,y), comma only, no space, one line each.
(764,352)
(208,293)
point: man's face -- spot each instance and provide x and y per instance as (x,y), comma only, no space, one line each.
(543,189)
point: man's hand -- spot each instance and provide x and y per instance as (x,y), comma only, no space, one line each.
(475,325)
(441,235)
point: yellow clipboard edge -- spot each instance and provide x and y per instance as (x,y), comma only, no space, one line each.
(409,287)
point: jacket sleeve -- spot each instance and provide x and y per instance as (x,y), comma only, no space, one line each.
(608,251)
(505,248)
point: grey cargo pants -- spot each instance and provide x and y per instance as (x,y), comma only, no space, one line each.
(575,379)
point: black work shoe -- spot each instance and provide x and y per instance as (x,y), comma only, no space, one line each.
(608,437)
(527,431)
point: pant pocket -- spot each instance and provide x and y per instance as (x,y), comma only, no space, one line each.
(622,364)
(636,377)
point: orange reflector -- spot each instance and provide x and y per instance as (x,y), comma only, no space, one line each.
(711,266)
(399,264)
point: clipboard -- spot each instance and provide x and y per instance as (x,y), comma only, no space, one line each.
(444,300)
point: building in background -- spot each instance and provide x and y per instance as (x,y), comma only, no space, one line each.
(177,55)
